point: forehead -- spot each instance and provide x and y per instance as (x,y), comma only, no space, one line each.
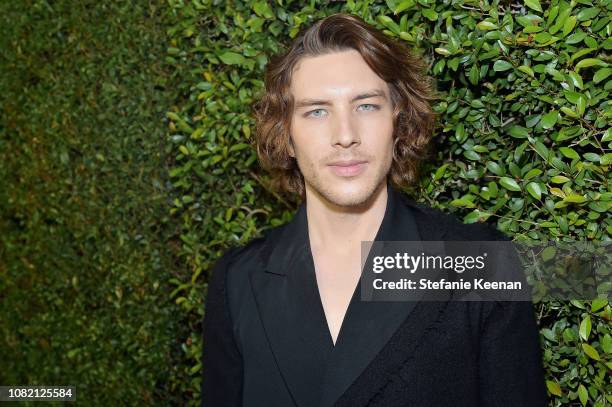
(334,74)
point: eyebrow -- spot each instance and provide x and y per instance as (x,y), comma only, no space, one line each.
(369,94)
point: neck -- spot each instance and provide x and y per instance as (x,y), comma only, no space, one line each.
(342,229)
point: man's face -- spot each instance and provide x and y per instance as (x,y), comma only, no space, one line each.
(341,127)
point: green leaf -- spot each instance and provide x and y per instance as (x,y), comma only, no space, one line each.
(239,146)
(553,13)
(606,344)
(509,183)
(585,328)
(569,152)
(541,149)
(553,388)
(529,20)
(557,192)
(583,394)
(430,14)
(517,131)
(576,37)
(471,155)
(601,74)
(440,172)
(581,105)
(474,75)
(532,173)
(486,26)
(581,52)
(534,189)
(389,23)
(550,119)
(442,51)
(408,37)
(587,62)
(601,206)
(534,4)
(569,25)
(476,216)
(404,5)
(173,116)
(587,13)
(262,9)
(569,112)
(460,132)
(477,103)
(500,65)
(544,38)
(590,351)
(576,79)
(231,58)
(574,198)
(559,179)
(526,69)
(495,168)
(554,73)
(465,202)
(598,304)
(549,334)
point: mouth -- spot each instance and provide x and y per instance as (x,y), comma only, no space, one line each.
(348,168)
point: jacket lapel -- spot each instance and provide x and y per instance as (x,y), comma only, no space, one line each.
(369,325)
(291,311)
(315,371)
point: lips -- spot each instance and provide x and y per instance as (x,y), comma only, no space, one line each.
(347,163)
(348,168)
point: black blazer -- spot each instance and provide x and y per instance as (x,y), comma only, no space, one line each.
(267,343)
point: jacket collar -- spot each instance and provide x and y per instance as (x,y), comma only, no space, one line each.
(401,214)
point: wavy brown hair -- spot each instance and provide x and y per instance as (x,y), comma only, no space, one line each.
(411,96)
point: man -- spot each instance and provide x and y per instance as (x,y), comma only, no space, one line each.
(343,124)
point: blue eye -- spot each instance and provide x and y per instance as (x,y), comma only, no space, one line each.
(374,107)
(311,113)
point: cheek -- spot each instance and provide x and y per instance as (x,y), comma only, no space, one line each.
(381,124)
(380,138)
(309,142)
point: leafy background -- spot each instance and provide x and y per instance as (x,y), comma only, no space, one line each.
(127,170)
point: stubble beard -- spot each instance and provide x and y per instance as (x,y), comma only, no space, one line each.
(334,197)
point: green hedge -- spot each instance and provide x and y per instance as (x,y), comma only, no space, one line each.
(85,242)
(524,140)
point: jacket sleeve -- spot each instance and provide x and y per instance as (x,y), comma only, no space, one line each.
(222,361)
(510,360)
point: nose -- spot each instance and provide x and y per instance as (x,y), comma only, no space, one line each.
(345,131)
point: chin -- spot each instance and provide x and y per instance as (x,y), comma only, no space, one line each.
(349,194)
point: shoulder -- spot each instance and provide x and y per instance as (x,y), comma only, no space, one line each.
(236,255)
(233,266)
